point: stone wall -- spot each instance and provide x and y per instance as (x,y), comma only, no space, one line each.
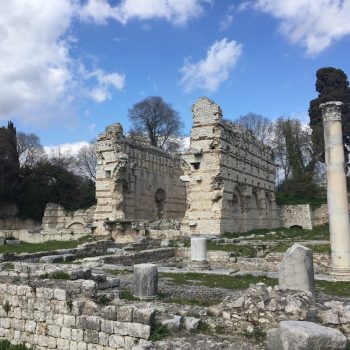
(135,182)
(296,215)
(58,224)
(230,176)
(56,317)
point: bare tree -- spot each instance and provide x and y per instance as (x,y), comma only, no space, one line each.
(29,149)
(87,161)
(261,127)
(156,119)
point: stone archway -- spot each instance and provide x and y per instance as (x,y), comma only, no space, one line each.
(159,198)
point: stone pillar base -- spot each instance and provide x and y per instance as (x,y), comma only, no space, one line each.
(341,273)
(199,265)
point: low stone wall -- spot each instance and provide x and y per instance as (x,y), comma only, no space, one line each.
(150,255)
(83,250)
(56,318)
(320,215)
(296,215)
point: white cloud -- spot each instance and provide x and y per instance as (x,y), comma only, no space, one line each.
(210,72)
(65,148)
(35,60)
(226,22)
(39,79)
(105,82)
(315,25)
(178,12)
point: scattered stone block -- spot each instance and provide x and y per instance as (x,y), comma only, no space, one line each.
(145,281)
(296,270)
(2,241)
(173,324)
(303,335)
(110,282)
(191,323)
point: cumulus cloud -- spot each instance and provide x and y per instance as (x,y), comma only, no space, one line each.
(65,148)
(210,72)
(38,75)
(315,25)
(226,22)
(105,82)
(35,60)
(178,12)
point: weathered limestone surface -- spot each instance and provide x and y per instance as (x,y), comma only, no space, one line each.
(303,335)
(337,195)
(296,215)
(230,178)
(53,318)
(296,270)
(135,182)
(145,281)
(199,258)
(225,182)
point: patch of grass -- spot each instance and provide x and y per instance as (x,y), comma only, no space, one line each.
(317,233)
(42,247)
(6,345)
(158,332)
(340,289)
(183,301)
(7,307)
(282,247)
(238,250)
(288,198)
(56,275)
(126,294)
(203,327)
(103,300)
(217,281)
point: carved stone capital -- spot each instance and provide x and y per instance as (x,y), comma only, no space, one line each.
(331,110)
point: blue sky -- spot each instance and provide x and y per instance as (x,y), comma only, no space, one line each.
(71,67)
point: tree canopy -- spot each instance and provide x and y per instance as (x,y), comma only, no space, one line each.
(332,85)
(156,119)
(31,179)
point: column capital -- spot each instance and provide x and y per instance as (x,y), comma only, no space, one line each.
(331,110)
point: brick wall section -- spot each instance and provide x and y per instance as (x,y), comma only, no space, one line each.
(47,318)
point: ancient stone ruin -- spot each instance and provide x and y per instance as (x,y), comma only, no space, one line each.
(224,182)
(164,260)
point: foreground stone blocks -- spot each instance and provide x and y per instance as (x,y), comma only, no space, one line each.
(296,270)
(145,281)
(302,335)
(199,259)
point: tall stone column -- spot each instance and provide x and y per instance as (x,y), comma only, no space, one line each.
(337,195)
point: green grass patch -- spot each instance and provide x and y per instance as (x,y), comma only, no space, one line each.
(238,250)
(340,289)
(42,247)
(317,233)
(159,332)
(126,295)
(56,275)
(6,345)
(217,281)
(287,198)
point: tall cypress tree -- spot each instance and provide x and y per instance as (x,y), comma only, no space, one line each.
(9,162)
(332,85)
